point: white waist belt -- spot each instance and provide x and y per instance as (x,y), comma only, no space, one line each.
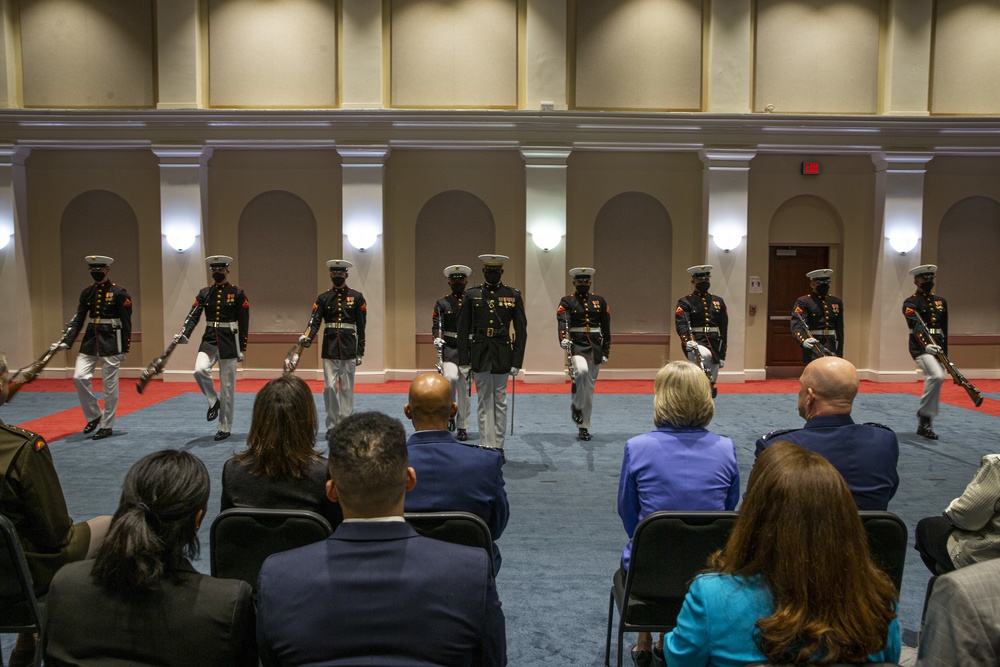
(587,329)
(341,325)
(704,329)
(114,321)
(232,326)
(823,332)
(933,332)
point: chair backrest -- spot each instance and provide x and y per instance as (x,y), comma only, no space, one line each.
(887,540)
(18,607)
(668,550)
(456,527)
(243,537)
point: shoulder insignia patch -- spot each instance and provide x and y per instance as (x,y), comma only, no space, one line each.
(775,433)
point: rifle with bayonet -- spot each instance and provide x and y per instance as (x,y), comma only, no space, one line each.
(570,366)
(157,365)
(823,349)
(956,375)
(30,373)
(699,357)
(294,354)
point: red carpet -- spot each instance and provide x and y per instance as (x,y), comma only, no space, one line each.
(66,422)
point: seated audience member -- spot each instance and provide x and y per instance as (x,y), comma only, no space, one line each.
(969,530)
(32,499)
(865,454)
(454,476)
(962,621)
(140,601)
(795,582)
(680,466)
(376,592)
(279,469)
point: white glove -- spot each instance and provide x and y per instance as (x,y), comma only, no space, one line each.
(181,339)
(514,372)
(691,345)
(604,360)
(809,342)
(239,355)
(357,362)
(465,370)
(60,346)
(933,349)
(439,343)
(304,341)
(722,363)
(565,343)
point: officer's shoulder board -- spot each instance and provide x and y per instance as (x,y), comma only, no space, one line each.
(777,432)
(39,443)
(486,447)
(877,425)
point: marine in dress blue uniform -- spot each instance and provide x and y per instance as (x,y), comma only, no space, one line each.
(344,312)
(444,328)
(702,322)
(818,318)
(584,321)
(486,345)
(933,310)
(227,329)
(107,340)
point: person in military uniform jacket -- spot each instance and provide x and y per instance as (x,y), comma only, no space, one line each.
(444,329)
(487,314)
(227,328)
(344,311)
(865,455)
(926,344)
(818,318)
(584,321)
(702,322)
(107,340)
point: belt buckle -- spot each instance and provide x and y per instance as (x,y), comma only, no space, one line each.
(489,332)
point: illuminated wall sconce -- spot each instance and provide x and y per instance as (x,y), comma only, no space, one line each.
(728,240)
(361,239)
(5,239)
(546,239)
(903,242)
(180,239)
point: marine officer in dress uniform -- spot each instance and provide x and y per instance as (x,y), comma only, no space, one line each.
(227,327)
(926,344)
(344,310)
(823,316)
(106,340)
(444,328)
(584,321)
(702,322)
(486,347)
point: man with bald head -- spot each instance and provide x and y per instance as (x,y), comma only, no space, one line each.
(454,476)
(864,454)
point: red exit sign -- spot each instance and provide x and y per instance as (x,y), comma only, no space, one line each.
(810,168)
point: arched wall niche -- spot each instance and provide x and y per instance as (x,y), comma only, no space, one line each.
(968,245)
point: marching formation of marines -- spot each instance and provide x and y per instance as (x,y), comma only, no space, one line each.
(479,334)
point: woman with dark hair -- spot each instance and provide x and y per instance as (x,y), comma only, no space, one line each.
(280,469)
(140,601)
(795,583)
(679,466)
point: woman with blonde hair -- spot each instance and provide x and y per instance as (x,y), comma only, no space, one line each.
(795,583)
(680,466)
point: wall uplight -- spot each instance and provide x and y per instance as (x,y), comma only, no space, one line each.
(903,242)
(546,239)
(5,239)
(180,239)
(727,240)
(362,238)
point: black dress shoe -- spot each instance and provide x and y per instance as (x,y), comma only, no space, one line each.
(451,423)
(925,430)
(715,391)
(222,435)
(213,412)
(91,425)
(584,434)
(462,435)
(641,658)
(102,434)
(577,415)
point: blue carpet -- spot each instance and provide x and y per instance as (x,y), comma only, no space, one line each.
(564,539)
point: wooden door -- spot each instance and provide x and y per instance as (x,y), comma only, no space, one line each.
(786,282)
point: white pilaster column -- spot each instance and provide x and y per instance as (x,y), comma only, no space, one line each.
(15,327)
(182,181)
(363,169)
(899,202)
(545,70)
(544,259)
(725,197)
(908,57)
(361,48)
(729,62)
(179,55)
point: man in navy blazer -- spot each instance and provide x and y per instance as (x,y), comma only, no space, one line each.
(454,476)
(864,454)
(376,592)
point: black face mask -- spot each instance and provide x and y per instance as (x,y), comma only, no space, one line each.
(822,289)
(338,281)
(928,286)
(702,286)
(98,276)
(218,277)
(457,288)
(582,290)
(492,277)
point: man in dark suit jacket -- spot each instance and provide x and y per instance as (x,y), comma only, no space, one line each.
(865,454)
(376,592)
(454,476)
(962,621)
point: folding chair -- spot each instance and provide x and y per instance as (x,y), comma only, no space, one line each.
(456,527)
(887,537)
(242,538)
(668,550)
(19,610)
